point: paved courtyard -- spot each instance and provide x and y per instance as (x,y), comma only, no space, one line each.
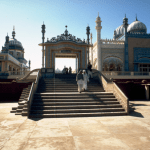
(92,133)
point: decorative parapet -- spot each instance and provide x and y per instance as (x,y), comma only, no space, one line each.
(66,37)
(138,35)
(111,41)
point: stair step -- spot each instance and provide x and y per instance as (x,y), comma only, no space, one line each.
(55,111)
(18,113)
(13,111)
(72,97)
(75,103)
(77,115)
(77,106)
(75,100)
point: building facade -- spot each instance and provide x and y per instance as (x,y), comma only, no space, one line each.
(12,59)
(128,50)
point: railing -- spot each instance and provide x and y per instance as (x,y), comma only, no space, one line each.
(25,77)
(125,73)
(32,91)
(110,86)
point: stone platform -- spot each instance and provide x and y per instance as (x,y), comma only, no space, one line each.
(91,133)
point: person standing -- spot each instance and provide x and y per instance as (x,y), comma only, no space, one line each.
(90,70)
(85,80)
(79,79)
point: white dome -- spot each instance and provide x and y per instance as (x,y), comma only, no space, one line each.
(119,31)
(137,26)
(15,42)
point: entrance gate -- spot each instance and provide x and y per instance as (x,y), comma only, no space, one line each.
(65,46)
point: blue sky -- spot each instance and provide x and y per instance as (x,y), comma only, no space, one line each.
(27,16)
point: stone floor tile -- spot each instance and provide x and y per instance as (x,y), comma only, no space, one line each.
(87,130)
(17,141)
(27,126)
(53,143)
(116,122)
(136,141)
(58,122)
(103,142)
(50,132)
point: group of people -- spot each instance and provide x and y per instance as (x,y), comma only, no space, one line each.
(82,78)
(65,70)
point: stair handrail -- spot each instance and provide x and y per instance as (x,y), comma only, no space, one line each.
(110,86)
(32,92)
(26,76)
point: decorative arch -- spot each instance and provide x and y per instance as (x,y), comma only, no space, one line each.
(112,63)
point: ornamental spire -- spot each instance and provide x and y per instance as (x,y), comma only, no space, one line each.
(136,18)
(13,33)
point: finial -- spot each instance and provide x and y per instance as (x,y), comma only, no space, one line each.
(136,18)
(7,33)
(125,15)
(43,22)
(66,26)
(98,14)
(13,28)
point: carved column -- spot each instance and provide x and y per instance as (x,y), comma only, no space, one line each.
(99,57)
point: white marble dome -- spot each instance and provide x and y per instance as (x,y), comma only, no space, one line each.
(119,31)
(137,26)
(15,42)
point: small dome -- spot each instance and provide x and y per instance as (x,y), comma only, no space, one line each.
(119,31)
(15,44)
(137,26)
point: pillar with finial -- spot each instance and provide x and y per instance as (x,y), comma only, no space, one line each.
(126,59)
(99,53)
(43,37)
(7,43)
(13,33)
(88,41)
(29,64)
(91,37)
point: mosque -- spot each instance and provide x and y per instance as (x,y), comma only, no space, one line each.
(12,59)
(129,50)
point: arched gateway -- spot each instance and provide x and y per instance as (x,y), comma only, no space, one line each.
(64,46)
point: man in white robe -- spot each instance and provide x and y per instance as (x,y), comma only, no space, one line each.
(85,80)
(79,79)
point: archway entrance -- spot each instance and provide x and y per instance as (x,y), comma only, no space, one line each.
(65,46)
(61,63)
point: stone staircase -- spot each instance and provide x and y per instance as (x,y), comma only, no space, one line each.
(21,109)
(58,97)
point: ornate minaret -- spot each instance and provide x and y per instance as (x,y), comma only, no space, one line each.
(99,57)
(13,33)
(91,49)
(88,41)
(29,64)
(7,43)
(126,59)
(114,35)
(43,37)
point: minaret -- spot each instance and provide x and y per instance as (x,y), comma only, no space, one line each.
(114,35)
(91,37)
(43,37)
(126,57)
(99,57)
(29,64)
(88,41)
(13,33)
(7,43)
